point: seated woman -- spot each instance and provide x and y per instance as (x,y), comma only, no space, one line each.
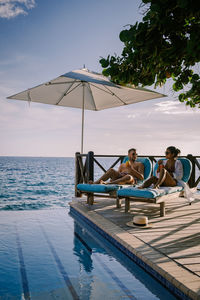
(168,172)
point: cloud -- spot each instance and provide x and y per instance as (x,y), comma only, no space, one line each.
(178,112)
(166,106)
(12,8)
(17,59)
(174,108)
(132,116)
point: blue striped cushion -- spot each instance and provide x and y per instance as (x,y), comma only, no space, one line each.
(148,192)
(97,188)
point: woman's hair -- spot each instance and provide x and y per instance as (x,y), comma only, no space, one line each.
(174,150)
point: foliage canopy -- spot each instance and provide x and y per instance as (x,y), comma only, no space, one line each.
(166,44)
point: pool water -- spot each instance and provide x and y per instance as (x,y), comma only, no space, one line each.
(49,254)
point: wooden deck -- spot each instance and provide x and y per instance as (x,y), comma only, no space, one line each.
(171,247)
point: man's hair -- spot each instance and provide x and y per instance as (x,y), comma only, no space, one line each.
(132,149)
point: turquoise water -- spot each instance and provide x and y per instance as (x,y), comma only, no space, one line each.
(35,183)
(48,254)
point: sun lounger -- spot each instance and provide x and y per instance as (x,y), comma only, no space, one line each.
(156,196)
(110,190)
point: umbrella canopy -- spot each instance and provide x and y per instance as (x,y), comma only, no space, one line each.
(85,90)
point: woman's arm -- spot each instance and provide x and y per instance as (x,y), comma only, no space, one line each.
(161,165)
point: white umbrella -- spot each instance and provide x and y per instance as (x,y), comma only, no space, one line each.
(85,90)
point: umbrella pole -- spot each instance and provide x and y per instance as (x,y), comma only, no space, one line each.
(83,107)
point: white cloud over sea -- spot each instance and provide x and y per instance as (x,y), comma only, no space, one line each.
(12,8)
(173,108)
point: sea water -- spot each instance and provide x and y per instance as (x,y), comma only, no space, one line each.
(35,182)
(39,182)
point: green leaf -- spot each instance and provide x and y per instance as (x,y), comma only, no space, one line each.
(106,72)
(181,97)
(124,35)
(195,77)
(177,86)
(104,62)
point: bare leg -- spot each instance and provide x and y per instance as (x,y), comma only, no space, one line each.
(127,179)
(169,180)
(161,179)
(110,174)
(148,182)
(165,179)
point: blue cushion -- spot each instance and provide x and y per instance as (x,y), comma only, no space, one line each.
(147,165)
(187,168)
(97,188)
(148,192)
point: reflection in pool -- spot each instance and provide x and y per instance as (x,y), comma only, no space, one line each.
(49,254)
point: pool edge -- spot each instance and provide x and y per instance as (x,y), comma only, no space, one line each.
(120,239)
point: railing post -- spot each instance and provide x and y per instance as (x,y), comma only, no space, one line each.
(90,166)
(121,159)
(77,175)
(191,181)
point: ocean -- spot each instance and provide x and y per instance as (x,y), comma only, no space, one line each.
(35,182)
(38,182)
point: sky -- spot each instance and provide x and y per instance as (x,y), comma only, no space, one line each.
(43,39)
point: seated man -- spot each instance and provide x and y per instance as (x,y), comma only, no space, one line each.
(128,173)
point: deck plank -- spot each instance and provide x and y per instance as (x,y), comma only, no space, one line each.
(174,240)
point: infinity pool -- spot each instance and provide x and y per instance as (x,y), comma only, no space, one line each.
(48,254)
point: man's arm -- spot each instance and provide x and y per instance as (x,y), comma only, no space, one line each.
(120,168)
(138,174)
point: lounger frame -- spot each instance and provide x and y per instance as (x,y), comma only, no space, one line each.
(90,196)
(187,168)
(158,200)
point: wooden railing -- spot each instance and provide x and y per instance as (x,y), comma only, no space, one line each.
(84,167)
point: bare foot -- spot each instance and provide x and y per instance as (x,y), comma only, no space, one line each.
(102,182)
(156,186)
